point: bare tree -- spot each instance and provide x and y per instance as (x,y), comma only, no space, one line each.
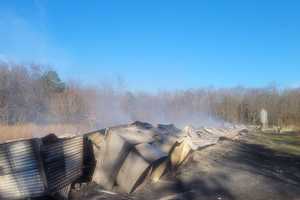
(32,94)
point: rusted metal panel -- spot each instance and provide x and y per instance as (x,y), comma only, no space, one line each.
(20,175)
(63,161)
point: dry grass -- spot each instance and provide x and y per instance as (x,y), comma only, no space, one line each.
(281,143)
(25,131)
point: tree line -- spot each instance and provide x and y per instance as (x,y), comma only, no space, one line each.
(34,94)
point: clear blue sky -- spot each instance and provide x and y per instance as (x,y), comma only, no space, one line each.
(158,44)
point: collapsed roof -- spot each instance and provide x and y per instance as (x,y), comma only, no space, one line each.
(119,158)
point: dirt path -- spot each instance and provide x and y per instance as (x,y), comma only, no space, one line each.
(238,170)
(233,170)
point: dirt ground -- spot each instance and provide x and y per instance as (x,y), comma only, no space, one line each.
(231,170)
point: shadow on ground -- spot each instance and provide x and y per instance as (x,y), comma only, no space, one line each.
(233,170)
(228,171)
(266,162)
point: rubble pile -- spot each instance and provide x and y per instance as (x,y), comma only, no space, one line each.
(119,159)
(126,156)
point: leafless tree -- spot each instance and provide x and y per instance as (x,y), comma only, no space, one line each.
(32,93)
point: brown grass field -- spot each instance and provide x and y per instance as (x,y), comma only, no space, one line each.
(25,131)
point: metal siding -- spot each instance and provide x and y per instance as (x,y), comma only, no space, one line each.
(63,161)
(27,172)
(19,170)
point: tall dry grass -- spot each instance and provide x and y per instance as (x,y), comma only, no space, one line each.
(26,131)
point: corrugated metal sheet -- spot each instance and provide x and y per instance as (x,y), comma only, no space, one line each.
(34,168)
(63,162)
(20,175)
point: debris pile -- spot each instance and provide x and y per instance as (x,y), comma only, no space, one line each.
(119,159)
(126,156)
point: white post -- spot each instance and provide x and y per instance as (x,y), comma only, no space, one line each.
(264,118)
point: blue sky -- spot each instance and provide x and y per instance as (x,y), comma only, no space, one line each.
(157,44)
